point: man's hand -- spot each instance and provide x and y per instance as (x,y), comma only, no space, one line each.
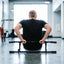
(42,41)
(23,41)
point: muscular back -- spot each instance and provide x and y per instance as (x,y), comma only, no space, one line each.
(32,29)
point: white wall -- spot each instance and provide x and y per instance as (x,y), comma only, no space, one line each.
(6,13)
(54,20)
(59,5)
(50,16)
(0,12)
(11,16)
(62,20)
(56,24)
(56,4)
(6,9)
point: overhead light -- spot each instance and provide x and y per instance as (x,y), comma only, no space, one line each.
(47,2)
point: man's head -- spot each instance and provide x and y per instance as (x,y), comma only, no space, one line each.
(32,14)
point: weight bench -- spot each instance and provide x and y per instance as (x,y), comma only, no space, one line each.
(30,51)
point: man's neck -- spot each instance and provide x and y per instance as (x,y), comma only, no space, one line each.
(33,18)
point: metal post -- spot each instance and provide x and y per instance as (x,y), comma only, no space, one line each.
(45,47)
(19,47)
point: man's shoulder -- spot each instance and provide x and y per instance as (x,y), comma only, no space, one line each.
(23,21)
(27,20)
(40,20)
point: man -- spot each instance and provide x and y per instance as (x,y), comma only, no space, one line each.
(32,29)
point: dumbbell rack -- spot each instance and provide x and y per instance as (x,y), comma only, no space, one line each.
(32,51)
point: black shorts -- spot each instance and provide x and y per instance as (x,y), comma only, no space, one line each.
(32,46)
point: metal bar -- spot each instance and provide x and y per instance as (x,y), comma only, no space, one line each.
(32,41)
(7,20)
(32,52)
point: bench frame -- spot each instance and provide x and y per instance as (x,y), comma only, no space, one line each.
(35,51)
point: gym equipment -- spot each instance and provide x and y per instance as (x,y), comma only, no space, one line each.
(2,28)
(32,51)
(2,32)
(8,20)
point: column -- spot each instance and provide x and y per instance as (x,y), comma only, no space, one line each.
(62,20)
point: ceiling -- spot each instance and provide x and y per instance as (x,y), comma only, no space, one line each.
(29,0)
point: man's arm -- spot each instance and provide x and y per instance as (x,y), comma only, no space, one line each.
(48,30)
(17,28)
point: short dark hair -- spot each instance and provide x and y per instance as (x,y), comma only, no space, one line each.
(32,13)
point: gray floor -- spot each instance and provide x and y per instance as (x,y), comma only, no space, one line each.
(25,58)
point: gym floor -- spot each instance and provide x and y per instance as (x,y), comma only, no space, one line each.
(32,58)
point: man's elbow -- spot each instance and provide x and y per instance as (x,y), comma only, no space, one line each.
(50,28)
(15,29)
